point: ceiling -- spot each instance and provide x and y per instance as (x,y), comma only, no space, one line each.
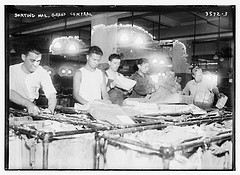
(163,22)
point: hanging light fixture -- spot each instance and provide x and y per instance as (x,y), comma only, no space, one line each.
(215,57)
(66,45)
(12,51)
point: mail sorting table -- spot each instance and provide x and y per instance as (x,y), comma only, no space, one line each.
(187,143)
(59,141)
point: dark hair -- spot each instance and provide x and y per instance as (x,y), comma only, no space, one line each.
(95,49)
(195,69)
(179,76)
(142,61)
(114,56)
(32,47)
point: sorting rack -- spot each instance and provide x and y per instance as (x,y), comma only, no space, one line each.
(166,153)
(103,130)
(89,126)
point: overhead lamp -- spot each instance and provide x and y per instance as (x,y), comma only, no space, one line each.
(12,51)
(63,71)
(215,57)
(124,38)
(161,62)
(127,34)
(154,61)
(69,71)
(70,45)
(221,59)
(139,41)
(57,45)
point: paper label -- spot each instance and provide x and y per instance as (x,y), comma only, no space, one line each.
(221,102)
(125,119)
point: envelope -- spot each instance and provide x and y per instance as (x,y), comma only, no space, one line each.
(125,83)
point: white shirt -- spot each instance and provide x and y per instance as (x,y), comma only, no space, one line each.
(90,87)
(201,91)
(28,84)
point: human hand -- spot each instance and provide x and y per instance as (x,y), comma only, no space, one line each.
(215,150)
(153,90)
(148,96)
(113,84)
(33,109)
(220,95)
(47,111)
(129,91)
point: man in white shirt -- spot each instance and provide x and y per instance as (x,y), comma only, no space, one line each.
(201,90)
(27,78)
(89,82)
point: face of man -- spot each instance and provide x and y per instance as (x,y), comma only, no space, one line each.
(198,76)
(179,79)
(114,64)
(93,60)
(31,61)
(144,67)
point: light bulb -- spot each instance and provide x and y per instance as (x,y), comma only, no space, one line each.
(139,41)
(124,38)
(57,45)
(72,47)
(154,61)
(161,62)
(63,71)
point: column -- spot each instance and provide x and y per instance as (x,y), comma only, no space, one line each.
(105,38)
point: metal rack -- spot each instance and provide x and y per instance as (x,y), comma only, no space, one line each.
(105,130)
(165,152)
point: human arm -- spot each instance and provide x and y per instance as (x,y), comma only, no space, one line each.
(52,101)
(49,91)
(104,93)
(110,84)
(77,78)
(20,100)
(220,149)
(216,91)
(186,90)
